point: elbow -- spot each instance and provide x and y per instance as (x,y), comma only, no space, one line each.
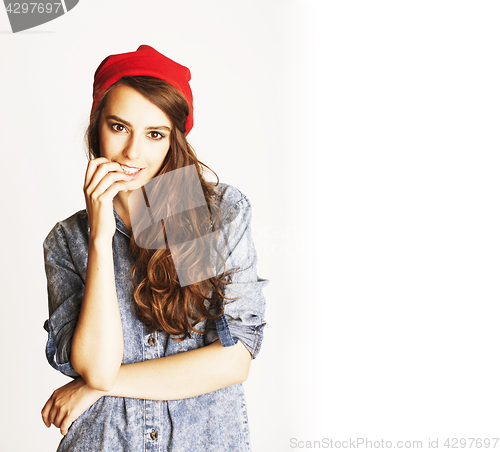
(96,378)
(242,363)
(244,367)
(99,383)
(243,375)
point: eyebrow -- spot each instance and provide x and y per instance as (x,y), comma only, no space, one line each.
(118,119)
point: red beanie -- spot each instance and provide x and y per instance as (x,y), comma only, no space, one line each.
(144,61)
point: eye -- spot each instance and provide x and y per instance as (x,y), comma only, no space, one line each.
(156,135)
(118,127)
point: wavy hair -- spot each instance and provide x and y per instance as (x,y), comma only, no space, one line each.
(162,304)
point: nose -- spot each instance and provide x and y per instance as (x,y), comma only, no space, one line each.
(132,149)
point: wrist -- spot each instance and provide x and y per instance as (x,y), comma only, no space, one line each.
(100,240)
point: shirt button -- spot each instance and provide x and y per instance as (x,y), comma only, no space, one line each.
(151,340)
(153,435)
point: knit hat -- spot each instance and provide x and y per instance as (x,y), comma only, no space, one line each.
(144,61)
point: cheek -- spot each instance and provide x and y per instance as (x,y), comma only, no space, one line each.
(165,153)
(106,144)
(160,155)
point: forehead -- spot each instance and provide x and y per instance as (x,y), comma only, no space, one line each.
(129,104)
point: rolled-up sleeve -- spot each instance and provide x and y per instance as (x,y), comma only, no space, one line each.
(243,318)
(65,293)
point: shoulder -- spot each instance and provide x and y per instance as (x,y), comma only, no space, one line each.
(234,205)
(70,230)
(230,195)
(233,214)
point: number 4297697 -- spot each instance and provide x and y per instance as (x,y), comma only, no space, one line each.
(33,8)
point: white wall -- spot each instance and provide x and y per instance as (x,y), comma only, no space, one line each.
(366,137)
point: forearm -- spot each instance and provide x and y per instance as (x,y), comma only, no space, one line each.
(97,347)
(187,374)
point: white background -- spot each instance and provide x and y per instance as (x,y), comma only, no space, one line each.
(365,134)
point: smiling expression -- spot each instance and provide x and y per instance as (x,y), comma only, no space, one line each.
(135,133)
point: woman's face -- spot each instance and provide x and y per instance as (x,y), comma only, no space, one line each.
(134,133)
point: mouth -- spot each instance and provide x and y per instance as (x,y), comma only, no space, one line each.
(133,172)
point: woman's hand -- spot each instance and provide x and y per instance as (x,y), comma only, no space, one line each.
(103,181)
(68,403)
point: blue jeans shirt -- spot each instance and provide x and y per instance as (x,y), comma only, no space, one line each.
(216,421)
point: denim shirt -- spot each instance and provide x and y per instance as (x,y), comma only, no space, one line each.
(216,421)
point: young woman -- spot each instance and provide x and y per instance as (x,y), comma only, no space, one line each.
(157,364)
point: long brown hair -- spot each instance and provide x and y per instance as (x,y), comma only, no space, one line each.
(162,303)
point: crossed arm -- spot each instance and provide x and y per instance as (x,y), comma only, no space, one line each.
(169,378)
(97,352)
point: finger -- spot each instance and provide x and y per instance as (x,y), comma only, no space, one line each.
(61,415)
(92,168)
(112,191)
(66,424)
(97,169)
(45,412)
(107,187)
(101,174)
(54,411)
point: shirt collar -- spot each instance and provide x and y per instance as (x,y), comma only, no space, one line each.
(120,225)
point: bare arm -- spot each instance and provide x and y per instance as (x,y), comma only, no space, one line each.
(187,374)
(97,346)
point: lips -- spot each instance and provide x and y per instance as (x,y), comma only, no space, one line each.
(131,170)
